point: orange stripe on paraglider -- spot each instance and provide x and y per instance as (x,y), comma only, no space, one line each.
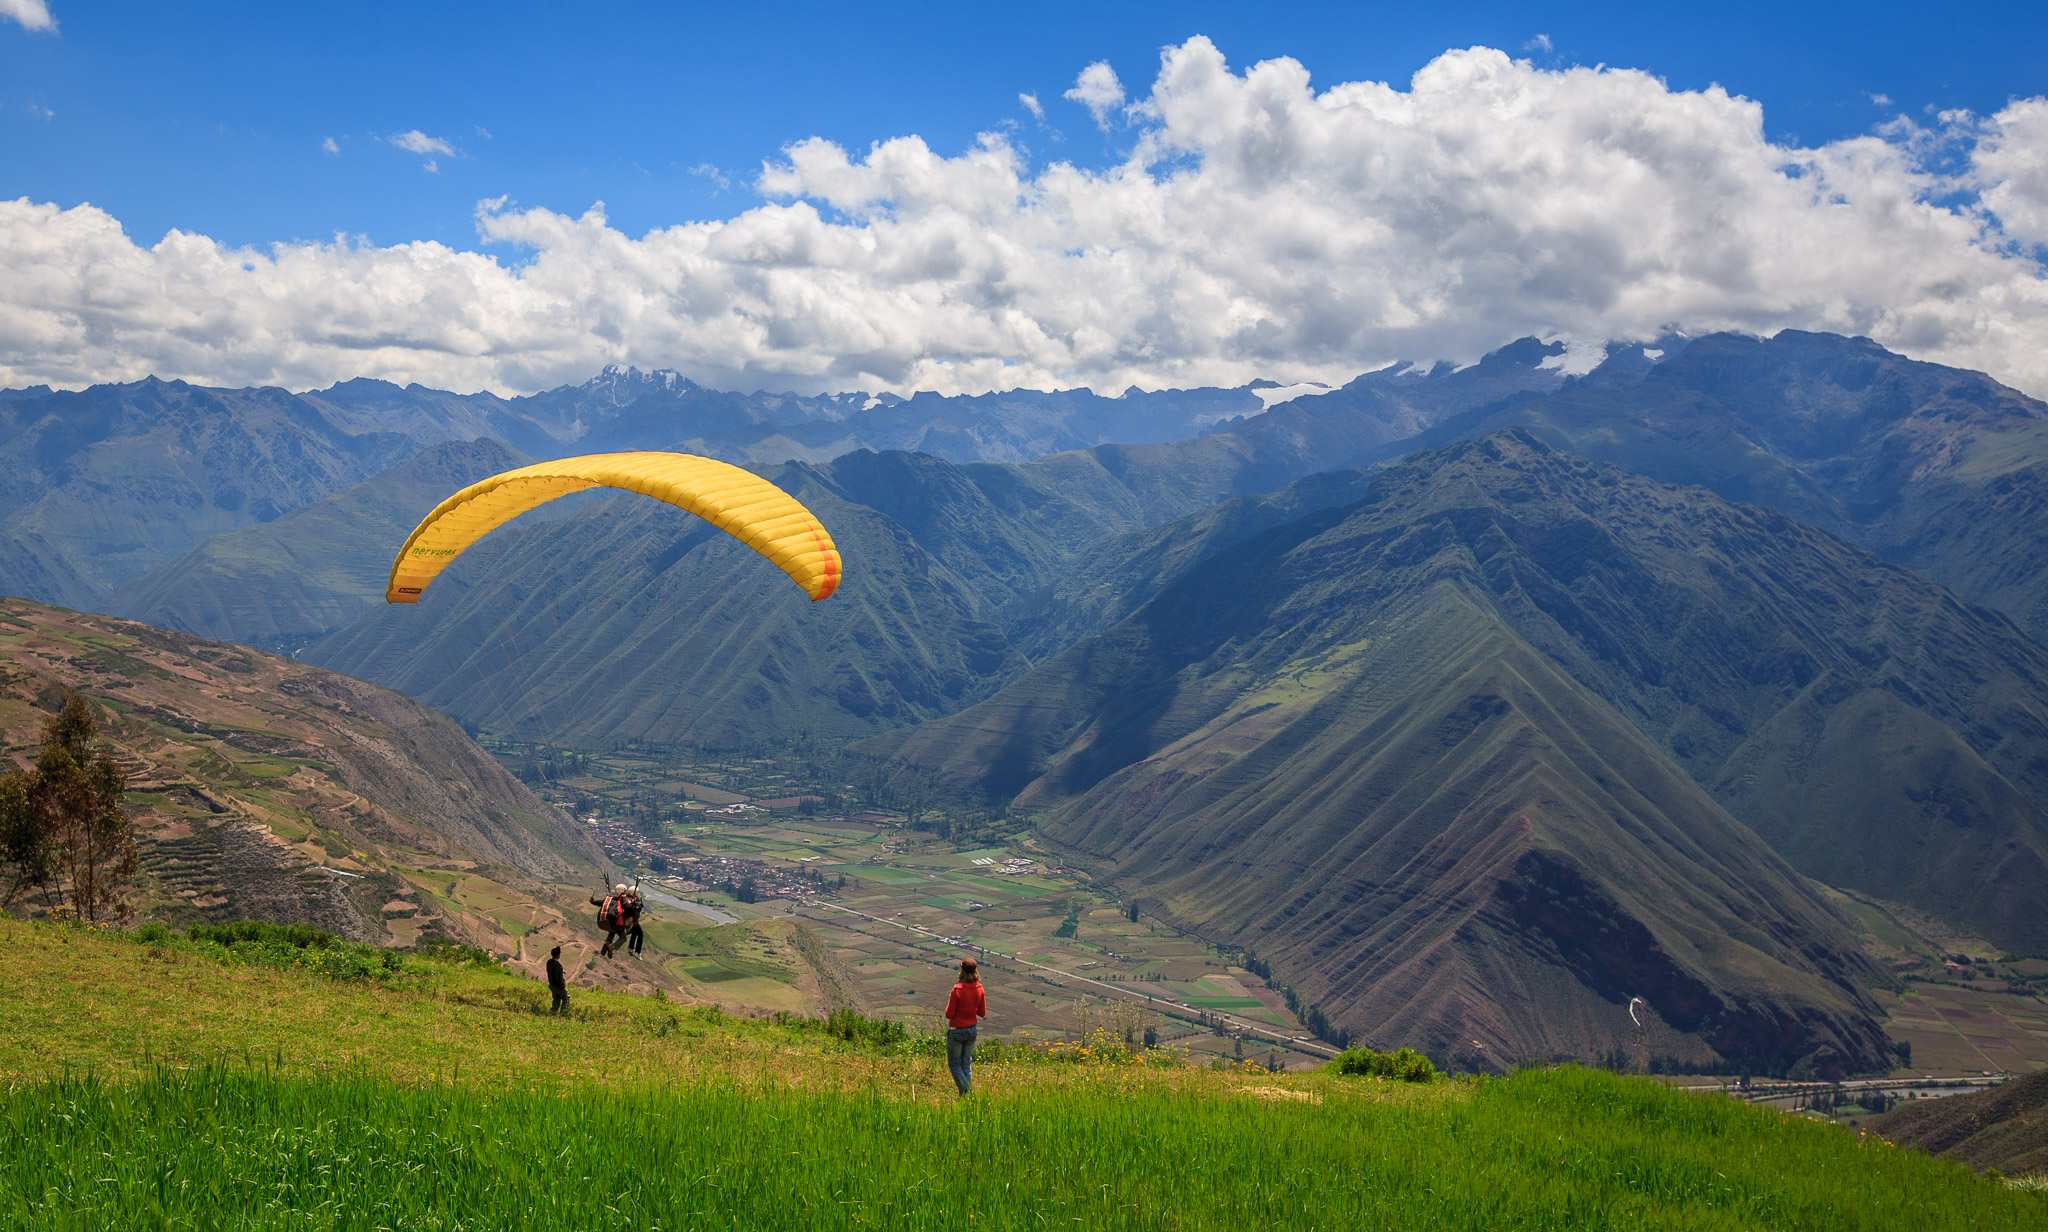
(831,555)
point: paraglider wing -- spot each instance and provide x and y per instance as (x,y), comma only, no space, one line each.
(744,505)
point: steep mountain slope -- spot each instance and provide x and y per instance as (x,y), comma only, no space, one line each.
(1345,741)
(630,618)
(281,584)
(2005,1127)
(1939,469)
(254,779)
(1115,577)
(1877,732)
(1433,834)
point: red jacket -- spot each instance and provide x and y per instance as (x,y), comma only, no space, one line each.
(965,1005)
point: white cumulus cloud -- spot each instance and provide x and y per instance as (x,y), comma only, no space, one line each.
(2012,169)
(32,14)
(329,146)
(1098,90)
(1259,227)
(1032,105)
(419,143)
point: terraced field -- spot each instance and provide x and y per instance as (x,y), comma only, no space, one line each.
(1957,1030)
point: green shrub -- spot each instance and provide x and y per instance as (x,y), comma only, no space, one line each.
(442,949)
(1403,1065)
(875,1032)
(297,946)
(296,936)
(153,933)
(883,1034)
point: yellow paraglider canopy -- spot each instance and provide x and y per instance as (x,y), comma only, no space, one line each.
(744,505)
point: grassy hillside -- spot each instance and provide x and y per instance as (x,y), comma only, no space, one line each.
(247,1097)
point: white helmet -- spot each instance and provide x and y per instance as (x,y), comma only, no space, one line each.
(619,888)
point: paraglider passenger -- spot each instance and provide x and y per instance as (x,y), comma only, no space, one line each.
(636,937)
(558,981)
(966,1007)
(611,915)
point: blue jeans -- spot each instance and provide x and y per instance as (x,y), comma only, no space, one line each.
(960,1055)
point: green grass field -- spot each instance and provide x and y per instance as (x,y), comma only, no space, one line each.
(173,1090)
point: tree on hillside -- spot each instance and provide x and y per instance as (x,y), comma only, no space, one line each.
(62,823)
(27,853)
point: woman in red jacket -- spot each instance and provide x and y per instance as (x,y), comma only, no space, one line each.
(964,1008)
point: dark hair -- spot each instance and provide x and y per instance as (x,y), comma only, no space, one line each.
(555,953)
(969,972)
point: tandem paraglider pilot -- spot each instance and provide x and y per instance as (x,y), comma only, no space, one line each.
(966,1007)
(618,913)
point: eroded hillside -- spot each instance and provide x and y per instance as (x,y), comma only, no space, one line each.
(266,790)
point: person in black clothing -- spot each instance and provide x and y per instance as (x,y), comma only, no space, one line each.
(635,938)
(558,981)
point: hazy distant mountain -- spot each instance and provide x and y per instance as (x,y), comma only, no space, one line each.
(104,485)
(1940,469)
(428,416)
(278,585)
(1429,754)
(97,487)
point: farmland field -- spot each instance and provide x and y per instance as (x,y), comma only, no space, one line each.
(898,903)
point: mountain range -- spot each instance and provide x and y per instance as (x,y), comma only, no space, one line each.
(1473,701)
(1941,470)
(1367,742)
(989,536)
(105,484)
(630,620)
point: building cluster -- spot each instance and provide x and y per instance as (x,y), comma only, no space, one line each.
(725,874)
(626,846)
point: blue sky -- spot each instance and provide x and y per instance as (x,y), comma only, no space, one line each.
(212,118)
(857,197)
